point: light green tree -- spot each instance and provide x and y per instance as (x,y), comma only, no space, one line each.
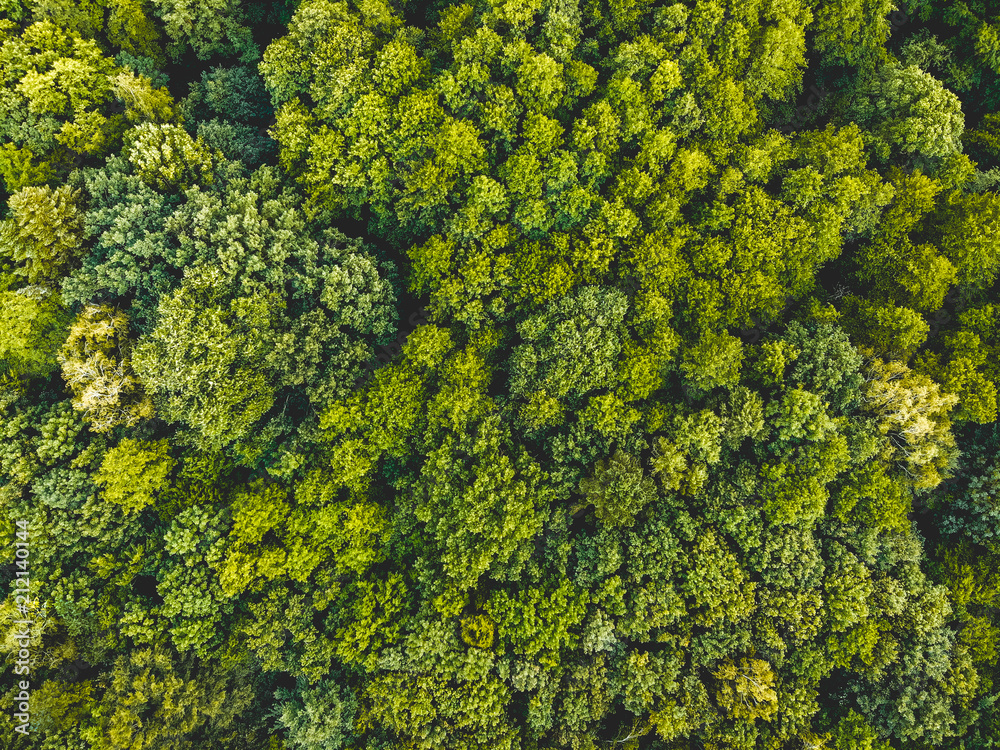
(912,412)
(167,159)
(911,111)
(33,326)
(571,348)
(57,92)
(618,489)
(747,689)
(201,363)
(134,472)
(853,31)
(713,361)
(317,717)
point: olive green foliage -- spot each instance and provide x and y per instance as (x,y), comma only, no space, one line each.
(694,448)
(852,31)
(175,703)
(57,93)
(44,234)
(206,27)
(570,349)
(131,27)
(968,365)
(33,326)
(885,329)
(618,489)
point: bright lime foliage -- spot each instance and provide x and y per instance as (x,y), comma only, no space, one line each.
(852,31)
(500,374)
(312,526)
(714,360)
(56,92)
(33,325)
(133,472)
(747,690)
(551,177)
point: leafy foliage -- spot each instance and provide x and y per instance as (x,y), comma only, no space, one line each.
(692,444)
(96,366)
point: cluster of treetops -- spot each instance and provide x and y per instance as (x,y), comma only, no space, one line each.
(697,447)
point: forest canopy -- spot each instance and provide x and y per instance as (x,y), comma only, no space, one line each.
(500,374)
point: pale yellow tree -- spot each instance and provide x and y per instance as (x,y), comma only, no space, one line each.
(97,368)
(141,100)
(813,741)
(912,411)
(28,628)
(747,690)
(166,158)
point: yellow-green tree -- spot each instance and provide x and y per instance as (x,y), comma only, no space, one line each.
(96,365)
(747,689)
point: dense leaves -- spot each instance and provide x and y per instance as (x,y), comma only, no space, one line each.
(689,441)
